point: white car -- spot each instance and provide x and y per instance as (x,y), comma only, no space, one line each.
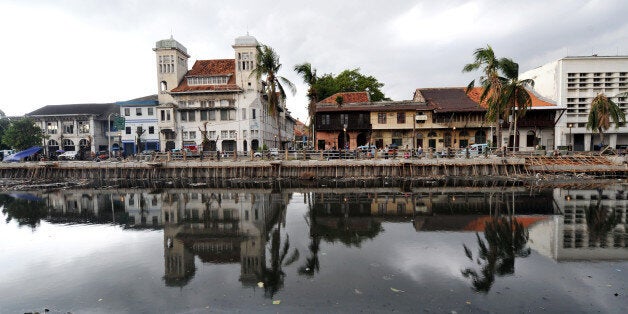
(69,155)
(273,152)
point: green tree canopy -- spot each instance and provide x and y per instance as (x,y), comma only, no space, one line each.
(604,110)
(4,125)
(348,81)
(22,134)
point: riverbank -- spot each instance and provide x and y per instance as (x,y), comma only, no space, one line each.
(260,173)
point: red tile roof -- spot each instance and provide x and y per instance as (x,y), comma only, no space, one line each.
(347,98)
(448,99)
(220,67)
(476,92)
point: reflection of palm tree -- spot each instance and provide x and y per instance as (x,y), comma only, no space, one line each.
(599,221)
(273,277)
(312,264)
(505,240)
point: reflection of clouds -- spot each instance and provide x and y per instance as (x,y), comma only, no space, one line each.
(428,254)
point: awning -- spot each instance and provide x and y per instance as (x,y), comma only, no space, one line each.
(23,154)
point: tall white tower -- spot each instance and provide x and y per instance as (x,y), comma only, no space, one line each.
(245,48)
(172,64)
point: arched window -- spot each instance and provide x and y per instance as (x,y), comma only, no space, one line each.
(431,134)
(163,86)
(68,145)
(83,143)
(447,139)
(53,143)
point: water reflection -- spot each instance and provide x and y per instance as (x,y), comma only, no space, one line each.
(505,239)
(248,227)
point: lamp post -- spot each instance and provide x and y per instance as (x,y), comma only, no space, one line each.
(570,125)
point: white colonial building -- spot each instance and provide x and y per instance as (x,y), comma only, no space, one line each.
(217,99)
(573,82)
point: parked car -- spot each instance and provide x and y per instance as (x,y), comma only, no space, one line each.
(474,150)
(273,152)
(69,155)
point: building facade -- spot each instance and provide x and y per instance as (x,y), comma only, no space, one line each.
(140,131)
(76,127)
(216,105)
(572,83)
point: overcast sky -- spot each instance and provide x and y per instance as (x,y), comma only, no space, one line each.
(88,51)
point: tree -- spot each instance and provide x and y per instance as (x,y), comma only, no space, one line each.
(139,131)
(491,84)
(602,111)
(309,77)
(515,96)
(4,125)
(349,81)
(22,134)
(268,65)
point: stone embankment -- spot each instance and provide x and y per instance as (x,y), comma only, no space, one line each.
(200,171)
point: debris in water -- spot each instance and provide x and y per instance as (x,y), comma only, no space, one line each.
(396,290)
(260,284)
(276,302)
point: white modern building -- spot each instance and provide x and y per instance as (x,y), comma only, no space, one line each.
(217,100)
(573,82)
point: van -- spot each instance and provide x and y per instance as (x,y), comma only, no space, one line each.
(474,150)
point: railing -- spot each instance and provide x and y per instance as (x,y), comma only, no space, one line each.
(357,154)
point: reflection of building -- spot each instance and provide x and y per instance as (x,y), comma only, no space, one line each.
(593,226)
(219,227)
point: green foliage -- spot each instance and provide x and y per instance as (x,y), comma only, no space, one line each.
(22,134)
(4,125)
(349,81)
(603,110)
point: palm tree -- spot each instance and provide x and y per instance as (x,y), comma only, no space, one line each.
(515,96)
(602,111)
(309,77)
(491,82)
(268,65)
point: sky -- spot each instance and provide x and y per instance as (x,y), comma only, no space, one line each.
(90,51)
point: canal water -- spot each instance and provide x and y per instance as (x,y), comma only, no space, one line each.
(440,249)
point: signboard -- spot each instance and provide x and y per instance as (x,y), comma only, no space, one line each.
(118,123)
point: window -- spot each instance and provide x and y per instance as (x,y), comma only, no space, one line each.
(68,128)
(184,116)
(243,133)
(232,134)
(185,135)
(192,116)
(139,130)
(83,127)
(381,117)
(203,115)
(401,117)
(325,119)
(243,113)
(224,115)
(163,114)
(344,119)
(149,112)
(253,114)
(192,135)
(127,112)
(211,134)
(138,111)
(223,134)
(212,115)
(232,114)
(52,127)
(151,130)
(127,130)
(183,104)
